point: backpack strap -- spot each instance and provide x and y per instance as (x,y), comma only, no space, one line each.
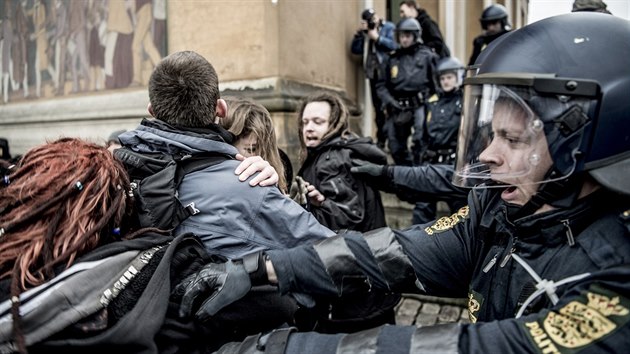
(155,180)
(192,163)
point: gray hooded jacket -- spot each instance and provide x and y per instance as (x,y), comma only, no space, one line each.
(234,218)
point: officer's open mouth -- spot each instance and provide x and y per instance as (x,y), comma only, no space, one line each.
(508,189)
(509,192)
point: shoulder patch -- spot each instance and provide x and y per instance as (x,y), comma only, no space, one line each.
(475,301)
(448,222)
(591,317)
(394,72)
(433,98)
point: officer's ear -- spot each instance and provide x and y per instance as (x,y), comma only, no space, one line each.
(221,111)
(150,109)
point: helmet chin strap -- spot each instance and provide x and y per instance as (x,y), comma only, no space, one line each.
(559,193)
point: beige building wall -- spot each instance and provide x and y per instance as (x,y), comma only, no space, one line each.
(275,51)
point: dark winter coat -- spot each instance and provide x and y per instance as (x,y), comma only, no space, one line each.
(481,42)
(117,298)
(431,34)
(350,202)
(122,298)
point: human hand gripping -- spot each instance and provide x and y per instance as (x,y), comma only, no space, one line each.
(221,284)
(253,164)
(368,168)
(218,285)
(315,197)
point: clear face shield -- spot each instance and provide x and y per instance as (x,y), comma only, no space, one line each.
(501,138)
(502,141)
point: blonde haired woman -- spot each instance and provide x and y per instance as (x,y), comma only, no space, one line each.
(251,123)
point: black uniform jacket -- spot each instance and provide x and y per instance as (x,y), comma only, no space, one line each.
(553,282)
(409,72)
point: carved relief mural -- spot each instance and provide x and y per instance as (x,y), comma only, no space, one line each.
(62,47)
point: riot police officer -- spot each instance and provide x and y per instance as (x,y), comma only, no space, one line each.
(494,22)
(444,110)
(409,80)
(542,251)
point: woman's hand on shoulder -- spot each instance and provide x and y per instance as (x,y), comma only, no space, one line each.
(249,166)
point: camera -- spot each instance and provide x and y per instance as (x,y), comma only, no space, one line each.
(371,24)
(368,16)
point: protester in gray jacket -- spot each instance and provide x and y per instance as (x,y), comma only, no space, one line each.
(232,218)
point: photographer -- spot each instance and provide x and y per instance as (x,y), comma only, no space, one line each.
(380,34)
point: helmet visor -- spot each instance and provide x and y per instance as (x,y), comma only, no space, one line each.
(501,138)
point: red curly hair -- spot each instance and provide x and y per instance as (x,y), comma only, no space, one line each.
(62,200)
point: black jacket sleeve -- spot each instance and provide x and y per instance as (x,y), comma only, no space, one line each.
(426,183)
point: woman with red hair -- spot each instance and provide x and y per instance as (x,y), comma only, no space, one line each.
(74,275)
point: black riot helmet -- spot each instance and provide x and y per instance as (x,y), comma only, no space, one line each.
(448,65)
(543,79)
(410,25)
(493,13)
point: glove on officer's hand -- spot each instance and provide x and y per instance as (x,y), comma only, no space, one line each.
(366,167)
(378,176)
(392,106)
(221,284)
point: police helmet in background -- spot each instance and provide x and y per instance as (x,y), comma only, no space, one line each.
(410,25)
(493,13)
(590,5)
(451,65)
(564,79)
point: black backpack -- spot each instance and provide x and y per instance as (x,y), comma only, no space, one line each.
(155,179)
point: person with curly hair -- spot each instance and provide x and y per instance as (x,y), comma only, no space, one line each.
(75,275)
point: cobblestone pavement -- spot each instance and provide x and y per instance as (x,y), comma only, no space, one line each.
(421,310)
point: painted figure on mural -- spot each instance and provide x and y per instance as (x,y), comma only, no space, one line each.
(43,49)
(143,40)
(94,44)
(60,39)
(79,57)
(97,35)
(20,40)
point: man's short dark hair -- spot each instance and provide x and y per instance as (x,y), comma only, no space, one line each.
(184,89)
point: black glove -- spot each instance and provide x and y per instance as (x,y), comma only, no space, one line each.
(368,168)
(220,284)
(394,107)
(378,176)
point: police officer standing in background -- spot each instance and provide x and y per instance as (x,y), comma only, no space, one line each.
(409,79)
(431,34)
(381,42)
(494,22)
